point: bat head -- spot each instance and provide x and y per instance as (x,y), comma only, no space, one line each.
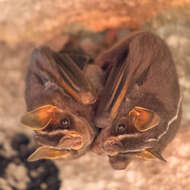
(60,100)
(139,111)
(58,130)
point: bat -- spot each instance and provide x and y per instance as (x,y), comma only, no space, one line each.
(139,110)
(61,92)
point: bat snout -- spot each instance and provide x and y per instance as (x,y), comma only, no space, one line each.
(60,139)
(48,138)
(70,143)
(112,146)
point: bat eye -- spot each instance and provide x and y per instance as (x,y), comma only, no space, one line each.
(121,128)
(65,123)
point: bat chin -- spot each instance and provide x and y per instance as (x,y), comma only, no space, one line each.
(120,161)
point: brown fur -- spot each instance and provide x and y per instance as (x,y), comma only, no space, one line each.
(152,83)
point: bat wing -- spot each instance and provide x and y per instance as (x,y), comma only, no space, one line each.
(61,69)
(126,67)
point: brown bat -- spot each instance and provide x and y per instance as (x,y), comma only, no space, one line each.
(140,107)
(61,92)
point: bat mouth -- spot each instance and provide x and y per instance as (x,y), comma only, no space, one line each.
(72,140)
(114,148)
(60,139)
(115,145)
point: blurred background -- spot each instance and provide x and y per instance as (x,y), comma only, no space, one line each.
(26,24)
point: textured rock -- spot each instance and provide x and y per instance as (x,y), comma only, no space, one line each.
(38,21)
(16,176)
(17,173)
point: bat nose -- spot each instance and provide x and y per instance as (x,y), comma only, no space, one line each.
(111,146)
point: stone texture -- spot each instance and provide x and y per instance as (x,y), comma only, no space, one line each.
(38,21)
(16,175)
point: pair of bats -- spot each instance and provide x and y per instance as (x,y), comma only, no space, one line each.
(124,104)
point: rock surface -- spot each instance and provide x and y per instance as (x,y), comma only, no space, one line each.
(38,21)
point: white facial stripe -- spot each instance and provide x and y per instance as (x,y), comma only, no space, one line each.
(135,150)
(151,140)
(169,123)
(52,133)
(121,137)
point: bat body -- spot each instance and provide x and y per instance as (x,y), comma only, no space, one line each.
(125,105)
(140,107)
(60,99)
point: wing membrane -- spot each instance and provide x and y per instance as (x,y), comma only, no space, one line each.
(127,67)
(67,74)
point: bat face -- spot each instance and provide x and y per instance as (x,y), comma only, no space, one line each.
(60,100)
(140,108)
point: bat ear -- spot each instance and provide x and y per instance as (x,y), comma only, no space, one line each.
(151,154)
(44,152)
(39,118)
(143,119)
